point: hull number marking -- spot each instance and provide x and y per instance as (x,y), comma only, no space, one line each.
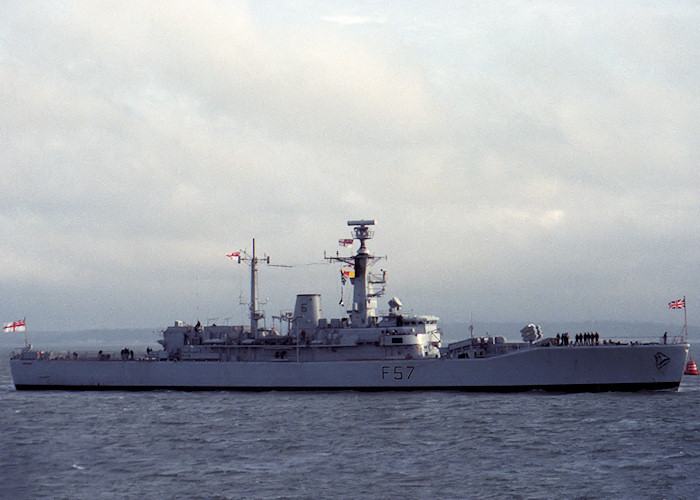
(398,373)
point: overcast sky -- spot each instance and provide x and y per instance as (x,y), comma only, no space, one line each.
(525,161)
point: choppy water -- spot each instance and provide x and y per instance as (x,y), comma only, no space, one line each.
(348,444)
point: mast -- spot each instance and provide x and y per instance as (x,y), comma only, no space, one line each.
(366,285)
(255,313)
(359,315)
(254,294)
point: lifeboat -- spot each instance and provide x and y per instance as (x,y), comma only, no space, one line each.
(691,368)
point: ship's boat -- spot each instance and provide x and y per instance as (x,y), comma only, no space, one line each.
(364,350)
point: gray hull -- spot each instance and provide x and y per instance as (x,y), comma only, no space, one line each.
(580,368)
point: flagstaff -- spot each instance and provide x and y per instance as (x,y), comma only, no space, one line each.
(685,312)
(680,304)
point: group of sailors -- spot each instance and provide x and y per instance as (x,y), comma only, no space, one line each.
(127,354)
(586,338)
(563,339)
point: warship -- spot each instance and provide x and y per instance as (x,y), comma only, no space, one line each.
(364,350)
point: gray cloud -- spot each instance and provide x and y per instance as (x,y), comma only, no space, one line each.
(533,162)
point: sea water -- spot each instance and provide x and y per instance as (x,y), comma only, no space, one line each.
(423,444)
